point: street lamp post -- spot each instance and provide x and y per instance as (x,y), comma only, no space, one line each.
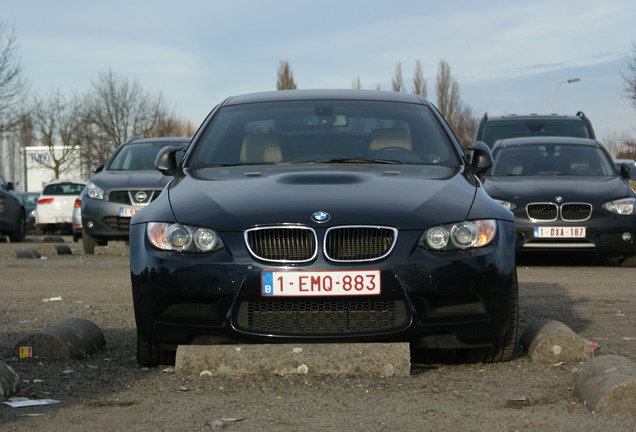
(570,81)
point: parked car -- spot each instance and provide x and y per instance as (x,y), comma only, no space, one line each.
(54,209)
(492,129)
(324,216)
(12,213)
(567,197)
(127,183)
(631,163)
(29,200)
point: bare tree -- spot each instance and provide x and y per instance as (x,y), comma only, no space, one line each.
(460,117)
(116,110)
(419,83)
(620,146)
(630,76)
(13,82)
(285,80)
(56,123)
(397,81)
(447,91)
(173,127)
(356,84)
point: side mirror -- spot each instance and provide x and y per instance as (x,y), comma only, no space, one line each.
(98,169)
(166,161)
(626,171)
(10,186)
(481,157)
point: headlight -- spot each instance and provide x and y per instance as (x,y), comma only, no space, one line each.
(626,206)
(93,191)
(507,204)
(461,235)
(182,238)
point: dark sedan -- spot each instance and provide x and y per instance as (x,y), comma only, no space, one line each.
(567,197)
(12,213)
(324,216)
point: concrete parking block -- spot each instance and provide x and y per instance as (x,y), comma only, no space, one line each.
(378,359)
(73,338)
(9,381)
(607,384)
(551,341)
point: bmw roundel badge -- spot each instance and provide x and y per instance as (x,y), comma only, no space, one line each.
(320,216)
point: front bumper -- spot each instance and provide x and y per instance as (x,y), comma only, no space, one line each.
(103,220)
(607,235)
(432,300)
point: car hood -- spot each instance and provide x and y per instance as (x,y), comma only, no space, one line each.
(408,197)
(123,180)
(546,188)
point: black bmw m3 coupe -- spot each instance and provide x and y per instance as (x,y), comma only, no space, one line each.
(324,216)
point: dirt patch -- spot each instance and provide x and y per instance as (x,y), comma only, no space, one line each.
(109,391)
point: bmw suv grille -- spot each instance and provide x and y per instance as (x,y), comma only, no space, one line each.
(297,244)
(568,212)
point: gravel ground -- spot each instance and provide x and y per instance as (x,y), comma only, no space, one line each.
(110,392)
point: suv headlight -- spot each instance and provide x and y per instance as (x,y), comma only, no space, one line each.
(507,204)
(625,206)
(461,235)
(93,191)
(182,238)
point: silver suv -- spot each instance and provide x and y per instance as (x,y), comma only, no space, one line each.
(127,183)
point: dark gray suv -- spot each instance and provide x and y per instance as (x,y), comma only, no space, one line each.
(127,183)
(492,129)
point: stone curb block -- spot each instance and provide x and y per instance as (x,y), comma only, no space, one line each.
(607,384)
(9,381)
(551,341)
(381,359)
(74,338)
(36,252)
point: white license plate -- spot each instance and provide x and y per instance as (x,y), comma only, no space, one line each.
(62,220)
(128,211)
(559,232)
(320,283)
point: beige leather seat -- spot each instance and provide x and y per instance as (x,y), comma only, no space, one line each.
(258,148)
(389,137)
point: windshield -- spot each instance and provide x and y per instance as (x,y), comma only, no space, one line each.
(139,156)
(66,188)
(328,131)
(551,159)
(495,131)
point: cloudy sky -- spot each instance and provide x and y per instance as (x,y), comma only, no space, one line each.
(506,56)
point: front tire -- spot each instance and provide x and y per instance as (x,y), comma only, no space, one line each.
(88,243)
(503,347)
(150,356)
(19,233)
(628,261)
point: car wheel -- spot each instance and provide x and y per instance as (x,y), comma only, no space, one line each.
(19,232)
(503,347)
(149,355)
(88,243)
(628,261)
